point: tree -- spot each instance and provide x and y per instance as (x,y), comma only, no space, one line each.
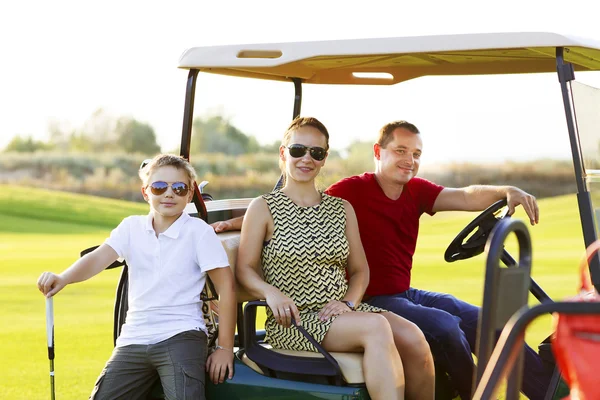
(26,145)
(96,135)
(136,137)
(218,135)
(360,157)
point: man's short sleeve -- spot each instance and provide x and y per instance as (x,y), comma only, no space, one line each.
(210,253)
(342,189)
(427,193)
(119,238)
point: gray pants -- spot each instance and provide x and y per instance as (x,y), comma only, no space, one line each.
(132,370)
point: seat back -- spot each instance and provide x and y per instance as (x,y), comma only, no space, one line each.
(505,292)
(231,242)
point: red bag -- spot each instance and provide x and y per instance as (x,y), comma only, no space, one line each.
(576,341)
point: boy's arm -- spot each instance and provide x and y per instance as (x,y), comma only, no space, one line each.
(222,359)
(87,266)
(225,286)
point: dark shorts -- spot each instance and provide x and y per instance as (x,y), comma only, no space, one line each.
(179,362)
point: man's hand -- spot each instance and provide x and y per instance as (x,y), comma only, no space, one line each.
(516,196)
(218,364)
(222,226)
(233,224)
(332,309)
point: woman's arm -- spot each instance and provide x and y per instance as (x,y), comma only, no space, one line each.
(358,269)
(254,232)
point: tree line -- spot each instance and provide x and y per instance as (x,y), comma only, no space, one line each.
(103,133)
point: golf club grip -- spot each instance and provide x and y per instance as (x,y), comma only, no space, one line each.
(50,327)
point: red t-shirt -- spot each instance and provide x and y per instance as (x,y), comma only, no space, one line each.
(388,228)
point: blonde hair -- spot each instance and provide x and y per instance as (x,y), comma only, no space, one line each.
(298,123)
(163,160)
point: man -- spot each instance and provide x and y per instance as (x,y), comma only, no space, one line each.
(390,203)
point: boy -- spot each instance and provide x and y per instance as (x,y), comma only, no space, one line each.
(168,254)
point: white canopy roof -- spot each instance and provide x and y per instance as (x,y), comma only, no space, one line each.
(403,58)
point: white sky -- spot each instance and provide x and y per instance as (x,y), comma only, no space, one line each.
(62,60)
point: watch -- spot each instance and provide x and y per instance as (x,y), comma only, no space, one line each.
(349,304)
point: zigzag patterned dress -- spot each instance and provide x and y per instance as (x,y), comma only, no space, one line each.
(306,259)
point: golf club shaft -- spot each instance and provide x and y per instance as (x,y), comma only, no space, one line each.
(52,379)
(50,341)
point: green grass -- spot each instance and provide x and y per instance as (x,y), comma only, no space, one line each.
(44,231)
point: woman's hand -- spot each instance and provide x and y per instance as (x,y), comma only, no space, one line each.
(218,363)
(283,308)
(332,309)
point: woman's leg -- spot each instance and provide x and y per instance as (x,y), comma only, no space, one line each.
(416,357)
(370,333)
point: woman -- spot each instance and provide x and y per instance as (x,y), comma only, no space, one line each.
(305,243)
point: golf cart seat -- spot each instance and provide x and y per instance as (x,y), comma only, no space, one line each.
(350,364)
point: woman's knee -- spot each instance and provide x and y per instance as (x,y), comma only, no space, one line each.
(377,330)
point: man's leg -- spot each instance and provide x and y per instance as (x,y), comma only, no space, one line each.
(180,362)
(127,375)
(536,378)
(449,345)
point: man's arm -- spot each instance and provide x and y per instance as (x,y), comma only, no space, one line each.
(479,197)
(233,224)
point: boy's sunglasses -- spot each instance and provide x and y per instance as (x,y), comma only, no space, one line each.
(159,187)
(299,150)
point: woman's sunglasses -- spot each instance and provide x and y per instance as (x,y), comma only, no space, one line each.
(159,187)
(299,150)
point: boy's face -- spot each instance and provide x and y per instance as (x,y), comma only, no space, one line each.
(167,204)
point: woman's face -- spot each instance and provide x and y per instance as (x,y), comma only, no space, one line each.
(304,167)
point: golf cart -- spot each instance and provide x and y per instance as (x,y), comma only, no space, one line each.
(262,372)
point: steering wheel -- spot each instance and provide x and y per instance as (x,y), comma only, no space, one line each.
(476,233)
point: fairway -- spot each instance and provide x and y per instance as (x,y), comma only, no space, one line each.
(48,235)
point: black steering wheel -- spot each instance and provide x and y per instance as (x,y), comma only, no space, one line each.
(459,249)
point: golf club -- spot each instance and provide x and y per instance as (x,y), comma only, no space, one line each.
(50,340)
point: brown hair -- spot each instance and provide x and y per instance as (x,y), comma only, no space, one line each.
(298,123)
(163,160)
(385,133)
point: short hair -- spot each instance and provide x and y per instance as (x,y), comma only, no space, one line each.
(163,160)
(385,133)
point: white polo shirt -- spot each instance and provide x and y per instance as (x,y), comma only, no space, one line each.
(166,275)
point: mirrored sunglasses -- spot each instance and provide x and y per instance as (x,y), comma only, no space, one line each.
(159,187)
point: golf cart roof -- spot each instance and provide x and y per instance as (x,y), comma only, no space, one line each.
(398,58)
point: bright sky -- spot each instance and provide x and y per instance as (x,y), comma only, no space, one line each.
(62,60)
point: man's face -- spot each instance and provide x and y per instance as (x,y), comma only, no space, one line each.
(399,161)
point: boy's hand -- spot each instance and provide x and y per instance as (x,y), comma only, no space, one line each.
(217,365)
(50,284)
